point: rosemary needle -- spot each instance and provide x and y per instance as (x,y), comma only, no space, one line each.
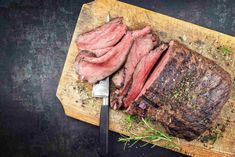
(150,134)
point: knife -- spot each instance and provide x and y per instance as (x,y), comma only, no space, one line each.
(101,90)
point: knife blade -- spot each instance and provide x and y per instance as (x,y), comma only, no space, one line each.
(101,90)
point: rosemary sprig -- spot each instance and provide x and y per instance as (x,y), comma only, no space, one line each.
(150,135)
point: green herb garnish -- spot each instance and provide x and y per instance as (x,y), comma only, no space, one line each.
(129,120)
(226,51)
(150,135)
(213,138)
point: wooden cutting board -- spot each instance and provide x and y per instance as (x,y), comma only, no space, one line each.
(75,95)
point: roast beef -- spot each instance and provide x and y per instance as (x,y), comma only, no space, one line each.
(185,92)
(93,69)
(122,78)
(141,47)
(101,52)
(178,87)
(101,39)
(141,73)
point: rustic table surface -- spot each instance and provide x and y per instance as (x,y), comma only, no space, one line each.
(35,36)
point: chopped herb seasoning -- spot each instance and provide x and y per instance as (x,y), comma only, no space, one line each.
(226,51)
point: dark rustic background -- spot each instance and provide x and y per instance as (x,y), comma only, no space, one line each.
(34,39)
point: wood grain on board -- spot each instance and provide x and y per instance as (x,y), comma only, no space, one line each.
(75,95)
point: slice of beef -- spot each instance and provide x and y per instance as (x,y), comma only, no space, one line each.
(93,72)
(142,72)
(94,69)
(102,37)
(185,92)
(101,52)
(141,47)
(118,48)
(122,79)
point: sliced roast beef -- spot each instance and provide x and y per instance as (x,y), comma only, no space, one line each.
(141,73)
(141,47)
(122,78)
(118,48)
(101,52)
(94,69)
(185,92)
(102,38)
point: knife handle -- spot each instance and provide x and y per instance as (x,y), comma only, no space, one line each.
(104,127)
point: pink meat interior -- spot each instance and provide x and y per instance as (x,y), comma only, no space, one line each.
(156,72)
(141,73)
